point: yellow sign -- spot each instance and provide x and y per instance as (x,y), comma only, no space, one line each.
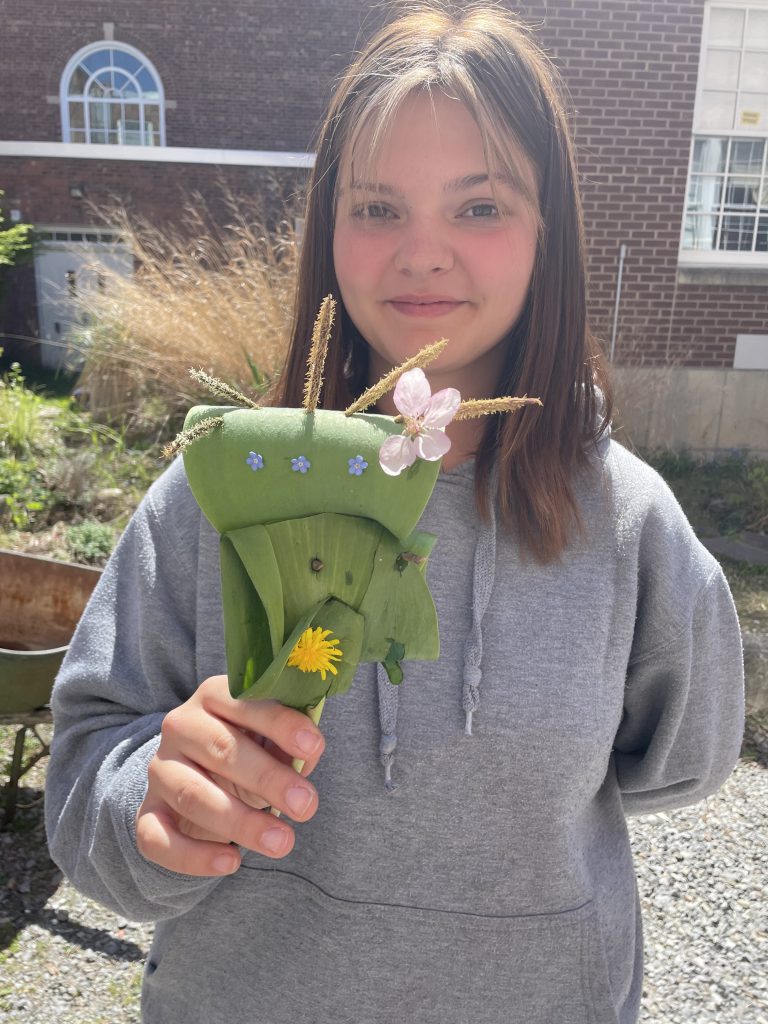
(750,117)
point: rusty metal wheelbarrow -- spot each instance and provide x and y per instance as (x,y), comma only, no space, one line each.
(41,601)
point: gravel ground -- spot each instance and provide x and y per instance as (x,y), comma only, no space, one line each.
(703,879)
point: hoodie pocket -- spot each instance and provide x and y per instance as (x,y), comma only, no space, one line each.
(282,950)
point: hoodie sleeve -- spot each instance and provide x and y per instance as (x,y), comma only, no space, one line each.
(131,660)
(683,717)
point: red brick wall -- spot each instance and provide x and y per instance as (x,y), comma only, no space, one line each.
(245,74)
(631,68)
(257,77)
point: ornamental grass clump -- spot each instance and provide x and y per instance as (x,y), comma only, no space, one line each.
(213,292)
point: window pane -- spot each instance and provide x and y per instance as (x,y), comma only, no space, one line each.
(704,194)
(125,60)
(77,115)
(736,234)
(96,60)
(717,110)
(97,114)
(709,155)
(741,193)
(757,30)
(148,84)
(151,118)
(746,156)
(77,81)
(754,71)
(100,86)
(726,26)
(78,135)
(761,244)
(113,116)
(699,232)
(753,110)
(722,69)
(131,90)
(120,80)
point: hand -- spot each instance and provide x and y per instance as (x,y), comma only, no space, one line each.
(220,762)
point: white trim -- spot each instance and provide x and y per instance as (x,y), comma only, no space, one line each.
(722,259)
(55,101)
(158,154)
(102,44)
(109,31)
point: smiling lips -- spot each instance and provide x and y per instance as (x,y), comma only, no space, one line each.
(424,305)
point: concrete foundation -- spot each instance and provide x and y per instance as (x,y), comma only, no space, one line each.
(703,410)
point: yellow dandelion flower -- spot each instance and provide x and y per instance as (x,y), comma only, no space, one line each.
(314,652)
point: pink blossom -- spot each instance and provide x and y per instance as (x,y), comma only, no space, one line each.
(426,416)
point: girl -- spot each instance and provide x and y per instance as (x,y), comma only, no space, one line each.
(590,662)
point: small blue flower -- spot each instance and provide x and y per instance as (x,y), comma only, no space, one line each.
(357,465)
(300,465)
(255,461)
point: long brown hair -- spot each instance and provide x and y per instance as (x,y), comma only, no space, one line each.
(485,58)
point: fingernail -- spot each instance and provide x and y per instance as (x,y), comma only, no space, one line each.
(225,865)
(307,741)
(274,839)
(298,799)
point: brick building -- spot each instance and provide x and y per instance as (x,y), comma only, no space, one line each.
(670,102)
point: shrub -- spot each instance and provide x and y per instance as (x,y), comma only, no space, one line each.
(90,542)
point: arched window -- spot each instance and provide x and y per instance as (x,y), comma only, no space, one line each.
(111,93)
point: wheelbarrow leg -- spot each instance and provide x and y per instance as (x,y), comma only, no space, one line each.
(16,771)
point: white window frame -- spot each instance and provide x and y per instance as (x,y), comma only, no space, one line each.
(724,258)
(139,101)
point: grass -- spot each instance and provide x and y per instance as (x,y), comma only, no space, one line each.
(215,293)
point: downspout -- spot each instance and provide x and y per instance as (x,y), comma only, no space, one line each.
(614,332)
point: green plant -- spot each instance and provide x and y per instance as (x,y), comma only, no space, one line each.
(15,243)
(90,542)
(23,428)
(24,499)
(725,495)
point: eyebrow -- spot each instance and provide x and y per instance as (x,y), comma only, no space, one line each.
(463,184)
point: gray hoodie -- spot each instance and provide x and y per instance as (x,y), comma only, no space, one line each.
(491,879)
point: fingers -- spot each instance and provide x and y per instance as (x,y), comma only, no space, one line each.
(288,729)
(159,840)
(220,762)
(251,773)
(189,821)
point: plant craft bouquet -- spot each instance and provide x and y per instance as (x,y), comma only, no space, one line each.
(321,563)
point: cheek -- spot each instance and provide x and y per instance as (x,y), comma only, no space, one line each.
(505,268)
(358,259)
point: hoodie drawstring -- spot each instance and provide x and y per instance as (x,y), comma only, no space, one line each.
(483,578)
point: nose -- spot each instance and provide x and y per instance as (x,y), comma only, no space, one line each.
(423,249)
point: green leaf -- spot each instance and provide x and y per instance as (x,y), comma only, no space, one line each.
(391,663)
(247,632)
(398,605)
(298,689)
(326,555)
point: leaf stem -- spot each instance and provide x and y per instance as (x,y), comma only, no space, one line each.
(313,714)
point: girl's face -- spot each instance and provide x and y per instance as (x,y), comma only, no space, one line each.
(425,250)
